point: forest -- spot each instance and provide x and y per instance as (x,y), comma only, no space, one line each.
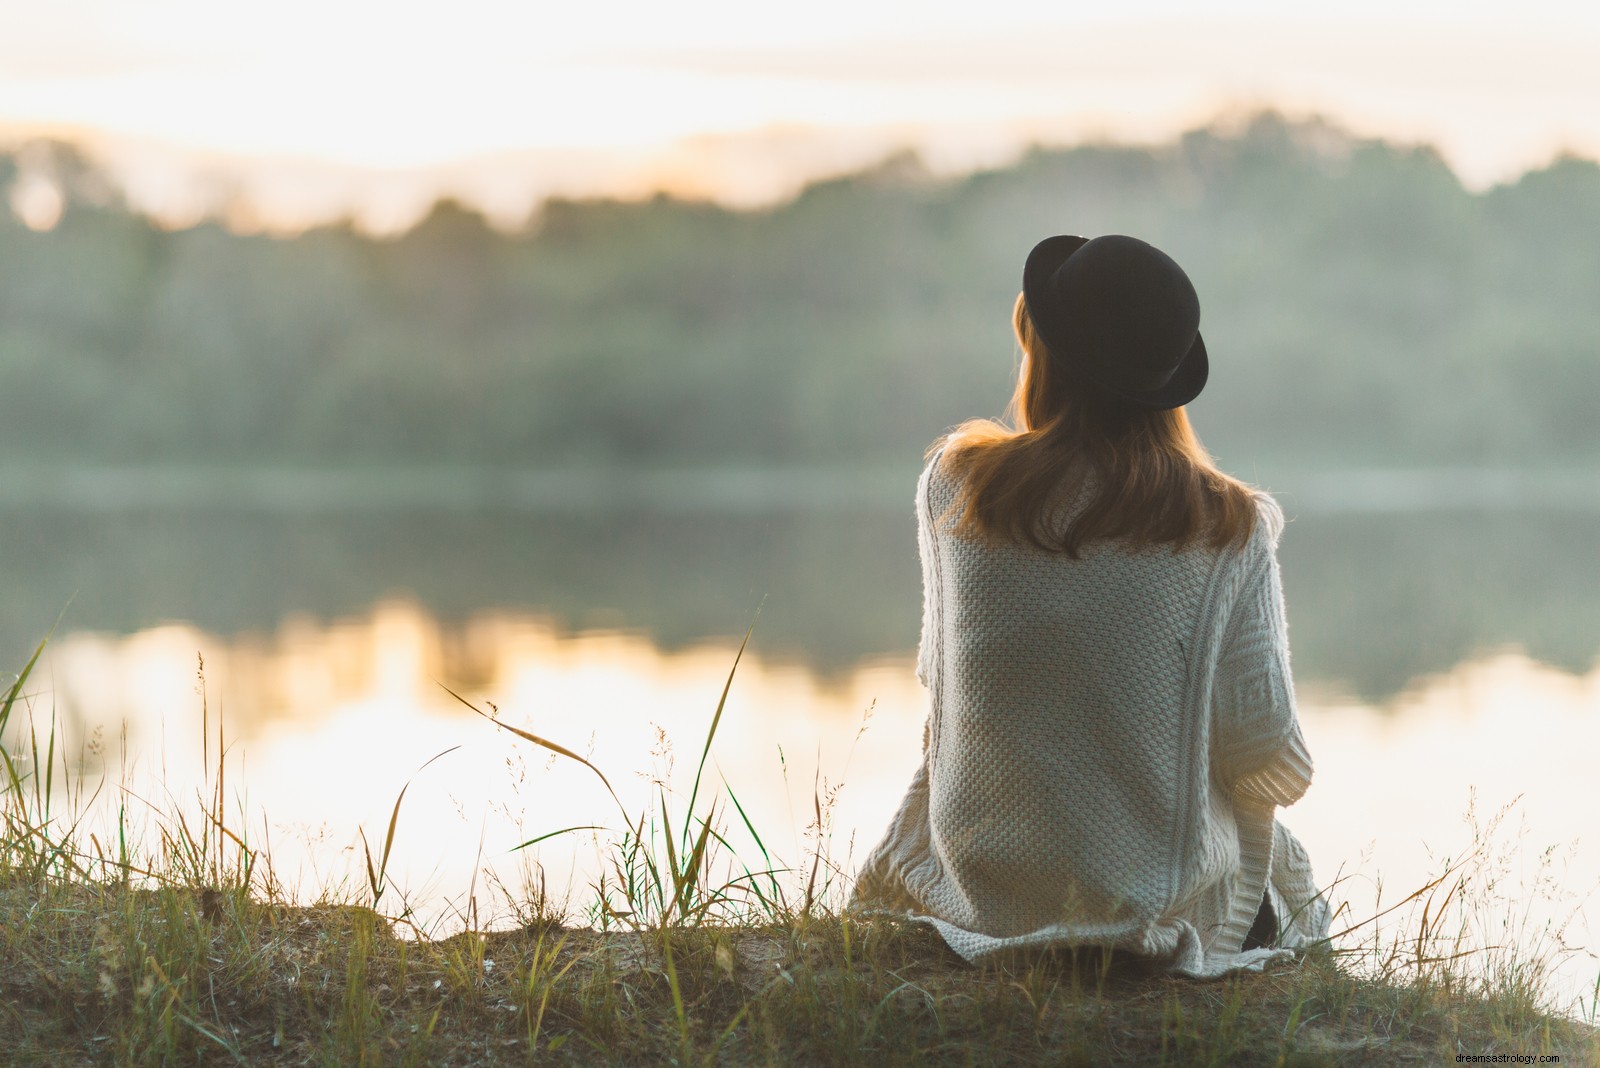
(1361,308)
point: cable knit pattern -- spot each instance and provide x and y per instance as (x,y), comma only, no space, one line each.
(1107,742)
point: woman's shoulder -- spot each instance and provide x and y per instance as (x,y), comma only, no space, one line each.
(945,470)
(938,473)
(1260,548)
(1269,518)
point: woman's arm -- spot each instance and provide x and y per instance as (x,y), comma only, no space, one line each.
(928,552)
(1257,745)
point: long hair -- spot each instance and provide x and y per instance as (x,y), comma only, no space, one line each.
(1150,481)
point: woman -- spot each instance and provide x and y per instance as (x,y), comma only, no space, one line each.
(1112,721)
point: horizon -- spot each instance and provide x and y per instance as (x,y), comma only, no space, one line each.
(499,188)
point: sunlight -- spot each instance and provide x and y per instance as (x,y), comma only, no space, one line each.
(368,710)
(363,85)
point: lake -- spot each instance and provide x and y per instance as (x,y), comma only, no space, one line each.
(1444,649)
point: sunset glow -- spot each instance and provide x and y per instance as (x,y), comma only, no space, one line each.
(316,105)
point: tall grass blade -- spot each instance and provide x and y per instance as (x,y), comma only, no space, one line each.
(677,1000)
(684,879)
(672,860)
(556,834)
(749,826)
(771,873)
(816,856)
(554,747)
(33,757)
(13,694)
(375,878)
(15,690)
(716,719)
(1426,888)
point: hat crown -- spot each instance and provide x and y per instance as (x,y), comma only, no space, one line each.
(1136,309)
(1121,311)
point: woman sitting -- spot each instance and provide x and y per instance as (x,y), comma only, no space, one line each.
(1112,720)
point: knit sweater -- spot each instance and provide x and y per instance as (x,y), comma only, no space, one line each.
(1108,739)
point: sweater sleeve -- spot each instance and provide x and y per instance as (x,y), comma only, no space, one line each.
(1257,745)
(927,646)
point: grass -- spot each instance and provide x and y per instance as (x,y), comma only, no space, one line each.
(184,950)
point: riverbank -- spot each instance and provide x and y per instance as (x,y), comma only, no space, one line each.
(109,974)
(185,947)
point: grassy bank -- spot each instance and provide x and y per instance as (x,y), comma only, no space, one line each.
(184,949)
(116,975)
(108,974)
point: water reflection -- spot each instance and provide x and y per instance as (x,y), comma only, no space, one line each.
(1375,600)
(325,724)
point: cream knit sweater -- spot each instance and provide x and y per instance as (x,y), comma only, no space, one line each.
(1107,742)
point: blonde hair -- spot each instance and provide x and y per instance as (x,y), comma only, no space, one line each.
(1150,480)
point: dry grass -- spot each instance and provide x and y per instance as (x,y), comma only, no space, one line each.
(183,950)
(107,973)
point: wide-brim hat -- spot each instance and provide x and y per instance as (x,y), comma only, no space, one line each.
(1121,313)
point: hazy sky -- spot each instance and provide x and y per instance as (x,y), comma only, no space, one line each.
(365,101)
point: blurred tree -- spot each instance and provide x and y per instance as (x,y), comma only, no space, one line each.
(1360,305)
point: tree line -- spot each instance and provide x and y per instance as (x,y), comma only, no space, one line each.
(1360,306)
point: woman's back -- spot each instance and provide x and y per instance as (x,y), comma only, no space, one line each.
(1068,784)
(1055,676)
(1111,719)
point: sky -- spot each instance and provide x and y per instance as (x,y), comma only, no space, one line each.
(309,108)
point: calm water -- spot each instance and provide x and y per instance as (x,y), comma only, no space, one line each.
(1445,660)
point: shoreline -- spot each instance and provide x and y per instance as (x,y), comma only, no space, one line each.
(310,488)
(211,976)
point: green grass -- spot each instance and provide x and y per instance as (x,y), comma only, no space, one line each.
(180,948)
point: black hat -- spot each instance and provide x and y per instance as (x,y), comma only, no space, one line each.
(1120,312)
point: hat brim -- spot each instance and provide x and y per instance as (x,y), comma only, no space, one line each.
(1047,256)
